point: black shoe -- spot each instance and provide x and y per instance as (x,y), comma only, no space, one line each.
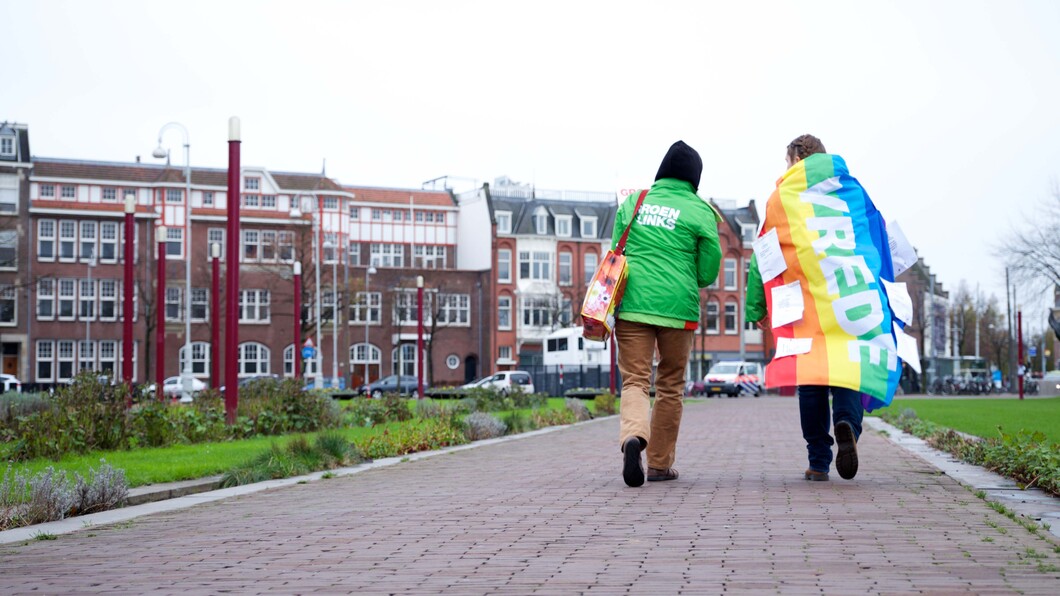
(632,468)
(846,461)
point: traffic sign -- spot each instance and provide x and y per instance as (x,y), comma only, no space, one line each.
(1032,350)
(308,351)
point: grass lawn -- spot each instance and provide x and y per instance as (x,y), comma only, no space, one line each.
(981,417)
(186,462)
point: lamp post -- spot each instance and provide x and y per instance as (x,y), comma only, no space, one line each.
(419,336)
(88,319)
(215,305)
(127,294)
(185,374)
(232,279)
(334,312)
(297,319)
(367,318)
(319,360)
(160,315)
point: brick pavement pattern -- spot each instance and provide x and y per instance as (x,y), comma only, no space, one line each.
(550,514)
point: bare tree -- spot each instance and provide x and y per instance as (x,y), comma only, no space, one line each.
(1032,251)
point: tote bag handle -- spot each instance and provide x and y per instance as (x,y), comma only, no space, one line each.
(620,248)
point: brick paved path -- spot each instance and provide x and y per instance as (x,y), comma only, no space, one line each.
(550,514)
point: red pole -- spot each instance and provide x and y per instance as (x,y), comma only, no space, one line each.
(232,287)
(215,305)
(160,316)
(1019,351)
(419,336)
(127,293)
(613,365)
(297,319)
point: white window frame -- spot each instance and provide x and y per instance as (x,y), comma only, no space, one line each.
(108,293)
(175,236)
(362,354)
(67,290)
(538,265)
(9,193)
(251,183)
(9,241)
(590,271)
(731,311)
(68,191)
(216,235)
(267,250)
(251,241)
(454,310)
(46,288)
(564,226)
(429,256)
(47,191)
(288,361)
(405,305)
(8,293)
(256,303)
(331,203)
(504,353)
(504,265)
(174,308)
(200,358)
(730,273)
(588,227)
(353,252)
(173,196)
(504,313)
(261,356)
(45,353)
(107,353)
(330,248)
(88,239)
(66,225)
(387,255)
(541,221)
(207,198)
(713,315)
(285,246)
(408,360)
(44,235)
(65,354)
(108,236)
(7,145)
(108,194)
(86,355)
(569,278)
(747,232)
(536,311)
(370,304)
(200,302)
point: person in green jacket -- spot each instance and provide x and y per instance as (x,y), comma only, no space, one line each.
(672,250)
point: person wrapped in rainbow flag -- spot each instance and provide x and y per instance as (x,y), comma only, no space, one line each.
(822,272)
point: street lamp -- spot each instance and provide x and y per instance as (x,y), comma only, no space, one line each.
(319,360)
(334,312)
(367,318)
(160,152)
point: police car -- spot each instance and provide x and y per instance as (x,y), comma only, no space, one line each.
(733,378)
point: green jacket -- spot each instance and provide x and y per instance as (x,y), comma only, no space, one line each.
(672,251)
(755,308)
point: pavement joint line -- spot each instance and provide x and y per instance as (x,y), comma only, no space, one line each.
(123,514)
(1032,503)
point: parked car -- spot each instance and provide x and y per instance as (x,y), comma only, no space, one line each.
(376,389)
(173,387)
(10,383)
(477,382)
(506,380)
(1050,384)
(733,378)
(243,382)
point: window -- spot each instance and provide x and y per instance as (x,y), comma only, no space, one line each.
(730,274)
(174,242)
(7,145)
(86,355)
(331,203)
(88,241)
(353,256)
(403,360)
(355,212)
(67,241)
(108,357)
(453,309)
(251,183)
(366,308)
(66,361)
(377,214)
(110,194)
(388,255)
(327,304)
(286,246)
(200,358)
(253,359)
(504,312)
(288,361)
(87,300)
(216,236)
(8,193)
(8,305)
(419,216)
(67,297)
(331,245)
(565,266)
(173,307)
(251,200)
(200,304)
(9,249)
(46,299)
(535,265)
(45,361)
(588,227)
(68,192)
(541,221)
(429,257)
(504,222)
(251,245)
(504,353)
(563,226)
(254,306)
(174,195)
(590,266)
(730,318)
(108,242)
(504,266)
(207,199)
(46,240)
(746,271)
(537,311)
(268,246)
(362,354)
(268,201)
(712,316)
(405,307)
(108,300)
(748,232)
(47,190)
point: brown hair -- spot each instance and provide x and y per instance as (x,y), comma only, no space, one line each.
(805,146)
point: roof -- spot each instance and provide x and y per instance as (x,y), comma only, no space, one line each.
(522,211)
(400,196)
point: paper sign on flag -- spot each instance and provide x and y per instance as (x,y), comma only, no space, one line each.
(767,254)
(901,303)
(790,346)
(787,304)
(903,255)
(907,349)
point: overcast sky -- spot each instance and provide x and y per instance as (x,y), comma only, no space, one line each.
(947,112)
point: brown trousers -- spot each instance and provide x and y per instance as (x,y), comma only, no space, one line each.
(659,425)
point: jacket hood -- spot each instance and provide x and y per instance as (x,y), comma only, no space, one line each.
(683,163)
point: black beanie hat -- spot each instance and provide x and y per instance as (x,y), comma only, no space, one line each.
(683,163)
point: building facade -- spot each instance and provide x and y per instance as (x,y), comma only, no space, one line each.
(15,168)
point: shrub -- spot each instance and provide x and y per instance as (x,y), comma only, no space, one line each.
(481,425)
(517,422)
(410,438)
(365,411)
(49,495)
(13,405)
(605,404)
(328,451)
(578,409)
(543,418)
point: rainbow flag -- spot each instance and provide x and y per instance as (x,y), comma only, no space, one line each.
(834,246)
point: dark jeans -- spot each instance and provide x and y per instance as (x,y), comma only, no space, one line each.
(813,410)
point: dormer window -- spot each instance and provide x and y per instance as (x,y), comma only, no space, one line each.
(563,225)
(504,222)
(541,221)
(748,231)
(7,145)
(588,227)
(251,183)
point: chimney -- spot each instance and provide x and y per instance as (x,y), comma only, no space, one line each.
(137,159)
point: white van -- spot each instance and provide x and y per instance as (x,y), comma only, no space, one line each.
(567,347)
(506,380)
